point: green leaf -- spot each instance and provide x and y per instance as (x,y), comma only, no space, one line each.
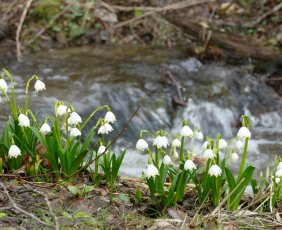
(67,215)
(82,215)
(138,194)
(3,214)
(73,189)
(124,198)
(116,163)
(230,179)
(87,189)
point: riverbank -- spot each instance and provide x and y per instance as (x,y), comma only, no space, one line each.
(126,206)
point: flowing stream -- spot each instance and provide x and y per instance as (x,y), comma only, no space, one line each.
(124,77)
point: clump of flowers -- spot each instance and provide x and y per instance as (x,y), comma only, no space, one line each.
(59,134)
(210,178)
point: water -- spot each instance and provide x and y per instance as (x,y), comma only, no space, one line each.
(124,77)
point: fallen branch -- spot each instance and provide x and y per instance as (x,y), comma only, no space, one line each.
(19,29)
(20,209)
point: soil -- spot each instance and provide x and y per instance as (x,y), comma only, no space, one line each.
(127,205)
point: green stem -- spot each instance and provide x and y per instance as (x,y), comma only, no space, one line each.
(157,158)
(93,113)
(26,92)
(13,109)
(181,158)
(244,156)
(13,90)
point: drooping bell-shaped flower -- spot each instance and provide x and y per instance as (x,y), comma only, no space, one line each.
(14,151)
(186,131)
(176,143)
(39,86)
(110,117)
(215,170)
(74,119)
(151,171)
(160,142)
(277,180)
(3,85)
(75,132)
(189,165)
(61,110)
(208,154)
(279,173)
(45,129)
(199,135)
(24,120)
(166,160)
(205,145)
(222,144)
(234,156)
(243,133)
(142,144)
(239,144)
(101,149)
(105,129)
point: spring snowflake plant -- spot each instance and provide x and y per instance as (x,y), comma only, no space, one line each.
(64,151)
(167,179)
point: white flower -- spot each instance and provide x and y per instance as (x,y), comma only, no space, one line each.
(205,145)
(277,180)
(279,166)
(74,119)
(234,156)
(101,149)
(24,120)
(142,145)
(152,171)
(74,132)
(156,140)
(175,154)
(39,86)
(239,144)
(110,117)
(14,151)
(279,173)
(189,165)
(199,135)
(61,110)
(176,143)
(244,132)
(186,131)
(45,129)
(3,85)
(215,170)
(160,142)
(222,144)
(105,129)
(208,154)
(166,160)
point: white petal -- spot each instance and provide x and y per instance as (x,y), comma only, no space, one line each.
(39,86)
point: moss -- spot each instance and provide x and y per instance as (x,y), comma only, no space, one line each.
(46,9)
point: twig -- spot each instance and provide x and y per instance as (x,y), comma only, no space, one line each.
(21,210)
(19,29)
(272,11)
(48,204)
(153,10)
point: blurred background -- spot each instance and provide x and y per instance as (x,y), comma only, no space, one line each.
(205,61)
